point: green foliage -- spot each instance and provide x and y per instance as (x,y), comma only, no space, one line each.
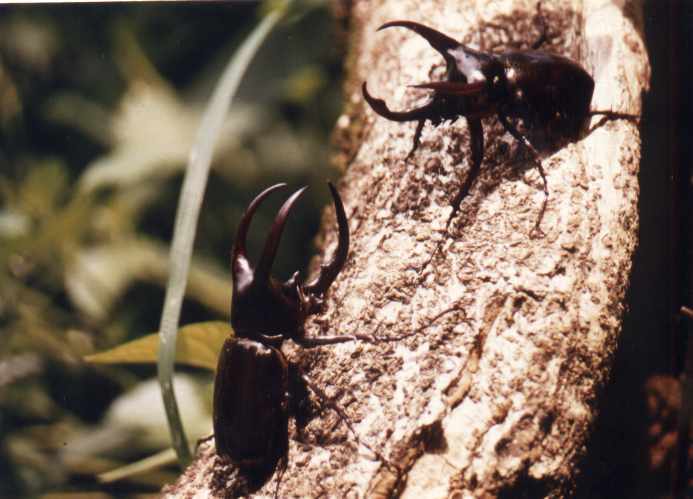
(198,346)
(99,106)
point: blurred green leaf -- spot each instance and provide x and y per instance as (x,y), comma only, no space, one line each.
(149,463)
(198,345)
(99,275)
(98,124)
(42,187)
(304,84)
(153,131)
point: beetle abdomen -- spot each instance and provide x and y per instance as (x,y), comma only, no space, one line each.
(550,93)
(250,405)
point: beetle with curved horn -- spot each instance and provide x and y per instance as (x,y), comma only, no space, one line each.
(252,386)
(550,94)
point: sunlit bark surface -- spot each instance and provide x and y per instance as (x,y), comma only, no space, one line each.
(509,338)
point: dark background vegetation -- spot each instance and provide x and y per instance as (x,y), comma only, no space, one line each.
(73,78)
(81,85)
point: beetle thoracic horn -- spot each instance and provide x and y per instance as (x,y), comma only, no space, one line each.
(439,41)
(264,265)
(239,260)
(379,106)
(330,270)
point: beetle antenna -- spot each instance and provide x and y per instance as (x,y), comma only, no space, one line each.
(420,113)
(330,270)
(239,260)
(264,265)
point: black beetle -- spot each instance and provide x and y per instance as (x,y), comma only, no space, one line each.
(252,385)
(549,93)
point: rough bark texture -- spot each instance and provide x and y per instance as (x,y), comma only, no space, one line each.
(493,395)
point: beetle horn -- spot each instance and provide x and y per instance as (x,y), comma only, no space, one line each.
(453,87)
(239,260)
(379,106)
(262,270)
(330,270)
(439,41)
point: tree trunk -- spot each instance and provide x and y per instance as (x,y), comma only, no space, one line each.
(508,338)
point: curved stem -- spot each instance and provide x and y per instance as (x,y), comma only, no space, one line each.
(187,214)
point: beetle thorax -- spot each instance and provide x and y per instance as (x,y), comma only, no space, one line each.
(268,310)
(468,63)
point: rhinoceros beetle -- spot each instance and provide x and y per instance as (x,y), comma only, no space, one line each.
(252,385)
(549,93)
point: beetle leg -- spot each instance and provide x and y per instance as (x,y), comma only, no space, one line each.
(330,270)
(417,139)
(543,27)
(340,413)
(318,341)
(420,114)
(476,135)
(447,88)
(611,116)
(615,115)
(283,462)
(510,128)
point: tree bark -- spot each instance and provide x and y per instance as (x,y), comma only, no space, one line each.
(507,338)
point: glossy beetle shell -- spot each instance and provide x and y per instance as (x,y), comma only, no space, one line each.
(251,406)
(551,94)
(251,389)
(540,99)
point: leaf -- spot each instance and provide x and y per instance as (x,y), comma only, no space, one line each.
(154,132)
(198,345)
(99,275)
(149,463)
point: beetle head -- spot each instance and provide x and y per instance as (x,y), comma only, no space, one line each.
(263,308)
(469,73)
